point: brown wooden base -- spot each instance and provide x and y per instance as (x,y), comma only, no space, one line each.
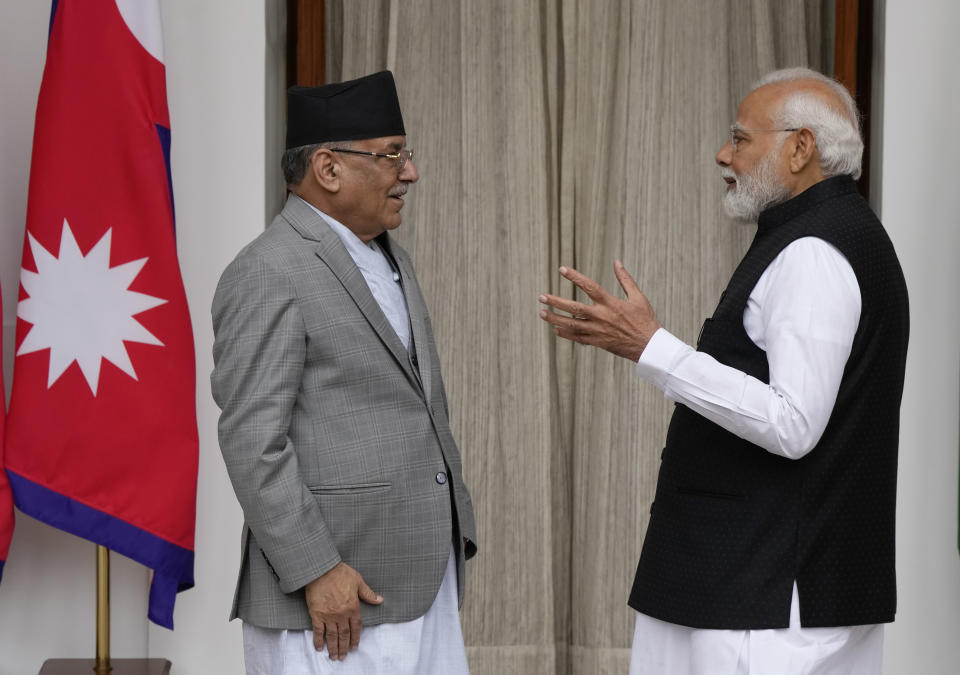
(117,667)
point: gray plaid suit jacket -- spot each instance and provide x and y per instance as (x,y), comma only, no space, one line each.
(336,441)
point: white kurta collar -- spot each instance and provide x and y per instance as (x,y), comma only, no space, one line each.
(381,278)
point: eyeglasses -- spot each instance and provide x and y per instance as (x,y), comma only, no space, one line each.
(736,133)
(400,158)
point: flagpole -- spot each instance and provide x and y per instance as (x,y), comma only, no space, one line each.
(102,664)
(103,610)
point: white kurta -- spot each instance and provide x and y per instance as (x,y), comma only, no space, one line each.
(430,645)
(804,313)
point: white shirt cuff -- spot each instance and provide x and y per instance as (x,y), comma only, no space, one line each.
(660,356)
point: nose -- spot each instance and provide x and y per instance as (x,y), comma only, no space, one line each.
(725,154)
(410,173)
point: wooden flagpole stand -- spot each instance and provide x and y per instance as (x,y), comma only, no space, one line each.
(103,664)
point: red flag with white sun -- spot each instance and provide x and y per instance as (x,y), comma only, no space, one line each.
(101,439)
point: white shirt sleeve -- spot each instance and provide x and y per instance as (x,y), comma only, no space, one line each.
(804,313)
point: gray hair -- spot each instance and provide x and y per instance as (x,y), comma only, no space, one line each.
(295,161)
(837,131)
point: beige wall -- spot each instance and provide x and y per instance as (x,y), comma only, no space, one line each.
(920,207)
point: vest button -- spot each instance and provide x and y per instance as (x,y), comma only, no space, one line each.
(441,477)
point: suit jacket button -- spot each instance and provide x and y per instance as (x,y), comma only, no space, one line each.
(441,477)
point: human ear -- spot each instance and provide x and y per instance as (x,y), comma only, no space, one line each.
(804,149)
(326,170)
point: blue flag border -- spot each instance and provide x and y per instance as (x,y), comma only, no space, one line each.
(172,565)
(163,135)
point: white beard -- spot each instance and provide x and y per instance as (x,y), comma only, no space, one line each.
(755,191)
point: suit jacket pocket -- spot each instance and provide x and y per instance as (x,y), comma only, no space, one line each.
(349,489)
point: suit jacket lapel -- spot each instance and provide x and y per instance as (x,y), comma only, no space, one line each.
(331,251)
(417,308)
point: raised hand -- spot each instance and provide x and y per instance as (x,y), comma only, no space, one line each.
(622,327)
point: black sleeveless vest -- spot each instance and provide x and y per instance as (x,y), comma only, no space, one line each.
(732,525)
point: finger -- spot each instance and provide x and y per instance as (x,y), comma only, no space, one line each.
(343,639)
(560,321)
(549,317)
(596,292)
(367,594)
(627,282)
(572,307)
(356,626)
(318,637)
(333,644)
(567,327)
(333,647)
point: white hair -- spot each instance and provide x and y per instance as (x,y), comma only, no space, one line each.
(836,131)
(294,161)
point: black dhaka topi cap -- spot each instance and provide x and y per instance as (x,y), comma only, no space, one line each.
(367,107)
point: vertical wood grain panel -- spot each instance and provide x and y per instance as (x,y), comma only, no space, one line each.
(310,42)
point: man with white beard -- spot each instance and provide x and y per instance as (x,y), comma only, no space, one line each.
(770,547)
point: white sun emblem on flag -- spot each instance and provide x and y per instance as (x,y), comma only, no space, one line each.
(81,308)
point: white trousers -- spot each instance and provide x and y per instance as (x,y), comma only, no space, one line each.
(430,645)
(661,648)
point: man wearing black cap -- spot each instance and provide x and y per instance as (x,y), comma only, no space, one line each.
(334,424)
